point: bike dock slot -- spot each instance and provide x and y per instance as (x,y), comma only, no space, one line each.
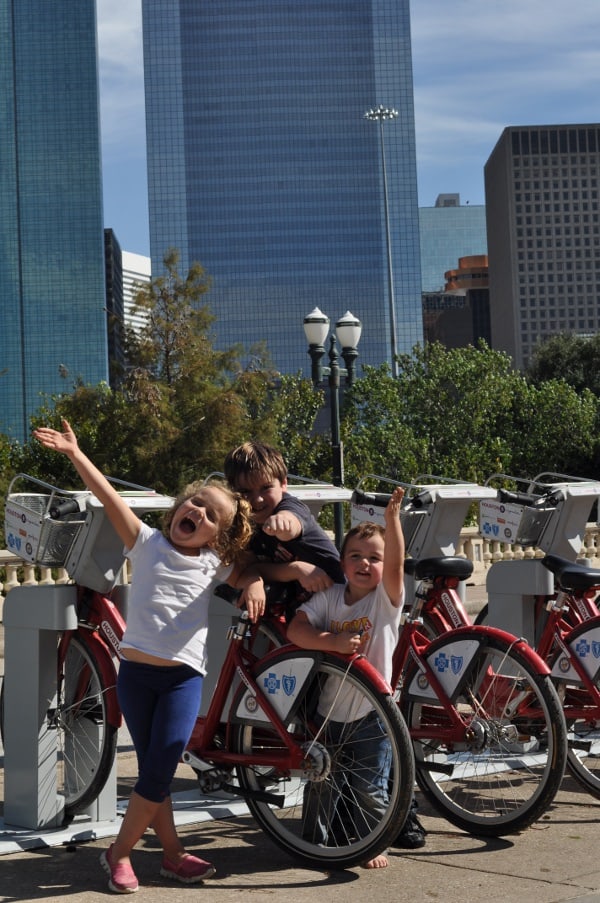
(548,513)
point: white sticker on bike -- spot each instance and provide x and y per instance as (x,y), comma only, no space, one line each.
(449,664)
(586,648)
(281,682)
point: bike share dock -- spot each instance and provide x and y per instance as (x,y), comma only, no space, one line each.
(548,513)
(85,544)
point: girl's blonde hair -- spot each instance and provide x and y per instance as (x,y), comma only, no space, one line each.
(234,533)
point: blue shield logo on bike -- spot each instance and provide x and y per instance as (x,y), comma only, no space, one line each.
(596,648)
(456,663)
(289,684)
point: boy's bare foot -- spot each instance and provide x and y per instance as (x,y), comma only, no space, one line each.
(379,862)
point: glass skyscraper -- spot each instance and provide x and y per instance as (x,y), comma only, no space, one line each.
(447,233)
(52,317)
(263,168)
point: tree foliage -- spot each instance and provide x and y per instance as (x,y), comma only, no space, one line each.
(576,359)
(183,404)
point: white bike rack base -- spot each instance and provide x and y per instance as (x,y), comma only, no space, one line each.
(33,618)
(512,587)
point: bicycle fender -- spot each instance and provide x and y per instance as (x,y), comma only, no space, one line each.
(534,659)
(101,654)
(282,675)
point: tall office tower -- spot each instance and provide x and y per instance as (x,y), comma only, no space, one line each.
(541,191)
(136,273)
(52,317)
(449,231)
(263,168)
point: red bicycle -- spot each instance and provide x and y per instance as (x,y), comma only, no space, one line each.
(258,739)
(564,623)
(486,722)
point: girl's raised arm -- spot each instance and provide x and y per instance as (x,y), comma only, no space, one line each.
(126,523)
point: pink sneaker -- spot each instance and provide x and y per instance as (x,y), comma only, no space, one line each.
(189,870)
(122,878)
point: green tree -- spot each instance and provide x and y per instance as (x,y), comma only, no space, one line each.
(576,359)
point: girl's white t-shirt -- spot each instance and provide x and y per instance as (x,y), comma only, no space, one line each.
(167,612)
(376,617)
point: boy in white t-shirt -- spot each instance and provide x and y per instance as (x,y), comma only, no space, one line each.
(361,616)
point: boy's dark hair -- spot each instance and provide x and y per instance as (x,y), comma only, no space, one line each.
(364,530)
(254,460)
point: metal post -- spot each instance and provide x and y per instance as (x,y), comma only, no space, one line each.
(380,115)
(337,449)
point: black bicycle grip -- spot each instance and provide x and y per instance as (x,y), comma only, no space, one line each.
(59,510)
(379,499)
(519,498)
(422,499)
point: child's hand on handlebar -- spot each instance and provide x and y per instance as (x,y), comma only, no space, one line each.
(254,599)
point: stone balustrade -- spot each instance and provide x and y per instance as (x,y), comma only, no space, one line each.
(482,552)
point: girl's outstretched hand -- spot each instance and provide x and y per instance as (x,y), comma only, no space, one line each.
(64,442)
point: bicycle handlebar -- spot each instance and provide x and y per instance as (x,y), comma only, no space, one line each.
(552,497)
(381,499)
(59,510)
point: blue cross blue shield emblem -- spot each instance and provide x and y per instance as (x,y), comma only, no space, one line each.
(456,663)
(289,684)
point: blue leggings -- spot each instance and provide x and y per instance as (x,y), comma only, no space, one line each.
(160,706)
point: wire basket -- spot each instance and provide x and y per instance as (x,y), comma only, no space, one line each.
(33,535)
(511,523)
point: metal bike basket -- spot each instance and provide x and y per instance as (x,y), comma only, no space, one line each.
(33,535)
(510,522)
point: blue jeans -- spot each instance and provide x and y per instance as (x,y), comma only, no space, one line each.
(160,706)
(353,799)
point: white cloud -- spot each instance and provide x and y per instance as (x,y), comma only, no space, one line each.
(480,67)
(121,76)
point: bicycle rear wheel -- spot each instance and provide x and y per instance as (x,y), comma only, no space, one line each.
(316,815)
(509,763)
(87,743)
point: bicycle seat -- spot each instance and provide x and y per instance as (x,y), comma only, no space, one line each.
(424,568)
(572,576)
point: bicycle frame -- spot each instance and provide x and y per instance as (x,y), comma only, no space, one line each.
(203,753)
(101,626)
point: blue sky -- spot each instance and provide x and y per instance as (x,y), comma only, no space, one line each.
(478,67)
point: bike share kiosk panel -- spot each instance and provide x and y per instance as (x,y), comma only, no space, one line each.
(549,513)
(83,542)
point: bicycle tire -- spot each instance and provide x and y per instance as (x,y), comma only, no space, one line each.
(583,759)
(87,742)
(506,772)
(352,837)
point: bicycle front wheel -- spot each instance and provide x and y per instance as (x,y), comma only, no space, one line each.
(352,796)
(504,771)
(87,743)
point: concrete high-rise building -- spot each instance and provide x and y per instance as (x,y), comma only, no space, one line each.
(136,273)
(52,317)
(263,168)
(541,190)
(449,231)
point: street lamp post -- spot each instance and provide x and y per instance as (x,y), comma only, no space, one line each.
(380,115)
(347,330)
